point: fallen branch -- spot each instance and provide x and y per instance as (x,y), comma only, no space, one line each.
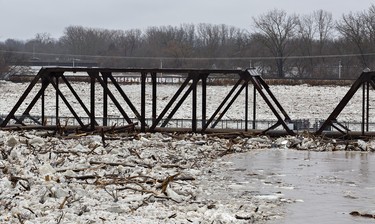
(184,178)
(173,166)
(16,180)
(79,169)
(111,164)
(29,209)
(120,164)
(113,194)
(84,177)
(365,215)
(244,217)
(63,202)
(165,183)
(68,152)
(20,218)
(134,152)
(135,189)
(60,218)
(172,216)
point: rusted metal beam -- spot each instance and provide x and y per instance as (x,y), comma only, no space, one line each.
(194,104)
(143,102)
(65,80)
(61,95)
(179,103)
(204,98)
(259,85)
(113,98)
(105,99)
(247,106)
(254,107)
(92,98)
(154,96)
(57,104)
(365,79)
(222,104)
(33,102)
(124,96)
(229,105)
(11,114)
(170,103)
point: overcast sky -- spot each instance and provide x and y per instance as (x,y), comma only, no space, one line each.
(23,19)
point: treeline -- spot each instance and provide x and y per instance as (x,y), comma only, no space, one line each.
(278,44)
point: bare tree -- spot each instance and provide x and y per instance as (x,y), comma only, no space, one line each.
(370,27)
(215,41)
(306,31)
(87,41)
(277,29)
(355,28)
(315,33)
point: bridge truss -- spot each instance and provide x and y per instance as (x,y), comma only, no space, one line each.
(104,78)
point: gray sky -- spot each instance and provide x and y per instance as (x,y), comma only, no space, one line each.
(23,19)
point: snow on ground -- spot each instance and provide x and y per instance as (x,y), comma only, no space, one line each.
(147,178)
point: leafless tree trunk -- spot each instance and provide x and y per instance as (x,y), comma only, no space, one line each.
(277,29)
(314,34)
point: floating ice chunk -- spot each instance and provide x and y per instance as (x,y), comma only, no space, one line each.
(167,139)
(172,194)
(144,139)
(70,173)
(268,197)
(262,139)
(116,209)
(58,192)
(46,169)
(137,198)
(36,141)
(224,217)
(5,183)
(15,155)
(194,172)
(371,146)
(12,141)
(280,143)
(92,140)
(350,194)
(362,145)
(80,148)
(236,186)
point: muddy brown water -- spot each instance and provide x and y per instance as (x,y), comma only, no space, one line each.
(321,187)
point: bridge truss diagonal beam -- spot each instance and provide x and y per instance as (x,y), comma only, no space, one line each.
(11,114)
(365,80)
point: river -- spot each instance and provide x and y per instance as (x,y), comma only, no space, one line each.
(322,187)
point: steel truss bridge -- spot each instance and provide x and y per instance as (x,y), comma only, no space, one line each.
(193,87)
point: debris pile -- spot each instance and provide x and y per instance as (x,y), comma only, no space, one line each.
(134,177)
